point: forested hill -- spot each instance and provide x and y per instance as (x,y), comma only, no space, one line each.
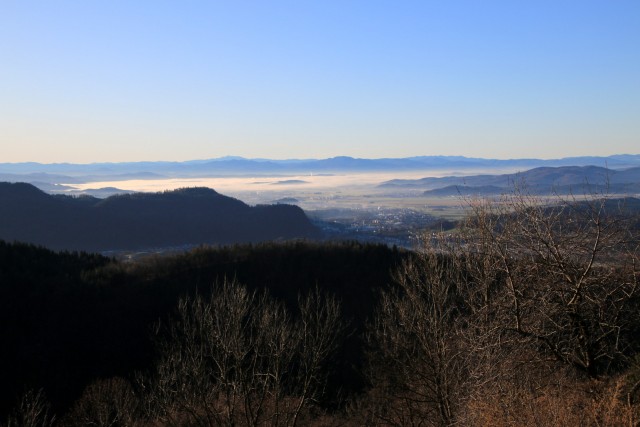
(142,220)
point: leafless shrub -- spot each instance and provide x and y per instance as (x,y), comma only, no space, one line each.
(109,402)
(562,401)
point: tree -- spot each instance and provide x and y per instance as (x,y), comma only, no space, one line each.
(418,356)
(105,403)
(570,274)
(527,293)
(239,357)
(33,410)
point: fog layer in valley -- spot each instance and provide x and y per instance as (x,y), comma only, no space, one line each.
(312,191)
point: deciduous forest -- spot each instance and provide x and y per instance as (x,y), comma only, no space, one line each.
(524,314)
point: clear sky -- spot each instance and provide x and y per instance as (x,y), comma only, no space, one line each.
(89,81)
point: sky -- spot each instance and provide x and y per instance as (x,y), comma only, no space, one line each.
(98,81)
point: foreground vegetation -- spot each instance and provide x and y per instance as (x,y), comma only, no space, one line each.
(528,315)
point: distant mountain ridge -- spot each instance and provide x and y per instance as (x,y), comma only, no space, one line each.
(542,180)
(235,166)
(142,220)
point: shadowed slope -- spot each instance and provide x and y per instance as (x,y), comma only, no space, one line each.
(142,220)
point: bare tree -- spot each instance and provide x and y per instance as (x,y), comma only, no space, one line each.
(319,326)
(523,289)
(570,274)
(105,403)
(33,410)
(417,343)
(239,357)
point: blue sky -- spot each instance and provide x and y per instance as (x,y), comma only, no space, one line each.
(89,81)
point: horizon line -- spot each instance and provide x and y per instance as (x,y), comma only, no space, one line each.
(263,159)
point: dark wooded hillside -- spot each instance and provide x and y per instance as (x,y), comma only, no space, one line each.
(68,319)
(524,314)
(142,220)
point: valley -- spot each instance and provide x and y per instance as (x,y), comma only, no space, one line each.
(387,201)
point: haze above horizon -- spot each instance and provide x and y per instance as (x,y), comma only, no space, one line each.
(86,82)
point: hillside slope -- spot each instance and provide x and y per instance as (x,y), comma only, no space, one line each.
(142,220)
(542,180)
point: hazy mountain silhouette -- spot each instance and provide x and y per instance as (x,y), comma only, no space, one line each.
(542,180)
(142,220)
(465,191)
(69,173)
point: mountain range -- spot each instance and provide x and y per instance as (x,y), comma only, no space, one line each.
(189,216)
(541,180)
(237,166)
